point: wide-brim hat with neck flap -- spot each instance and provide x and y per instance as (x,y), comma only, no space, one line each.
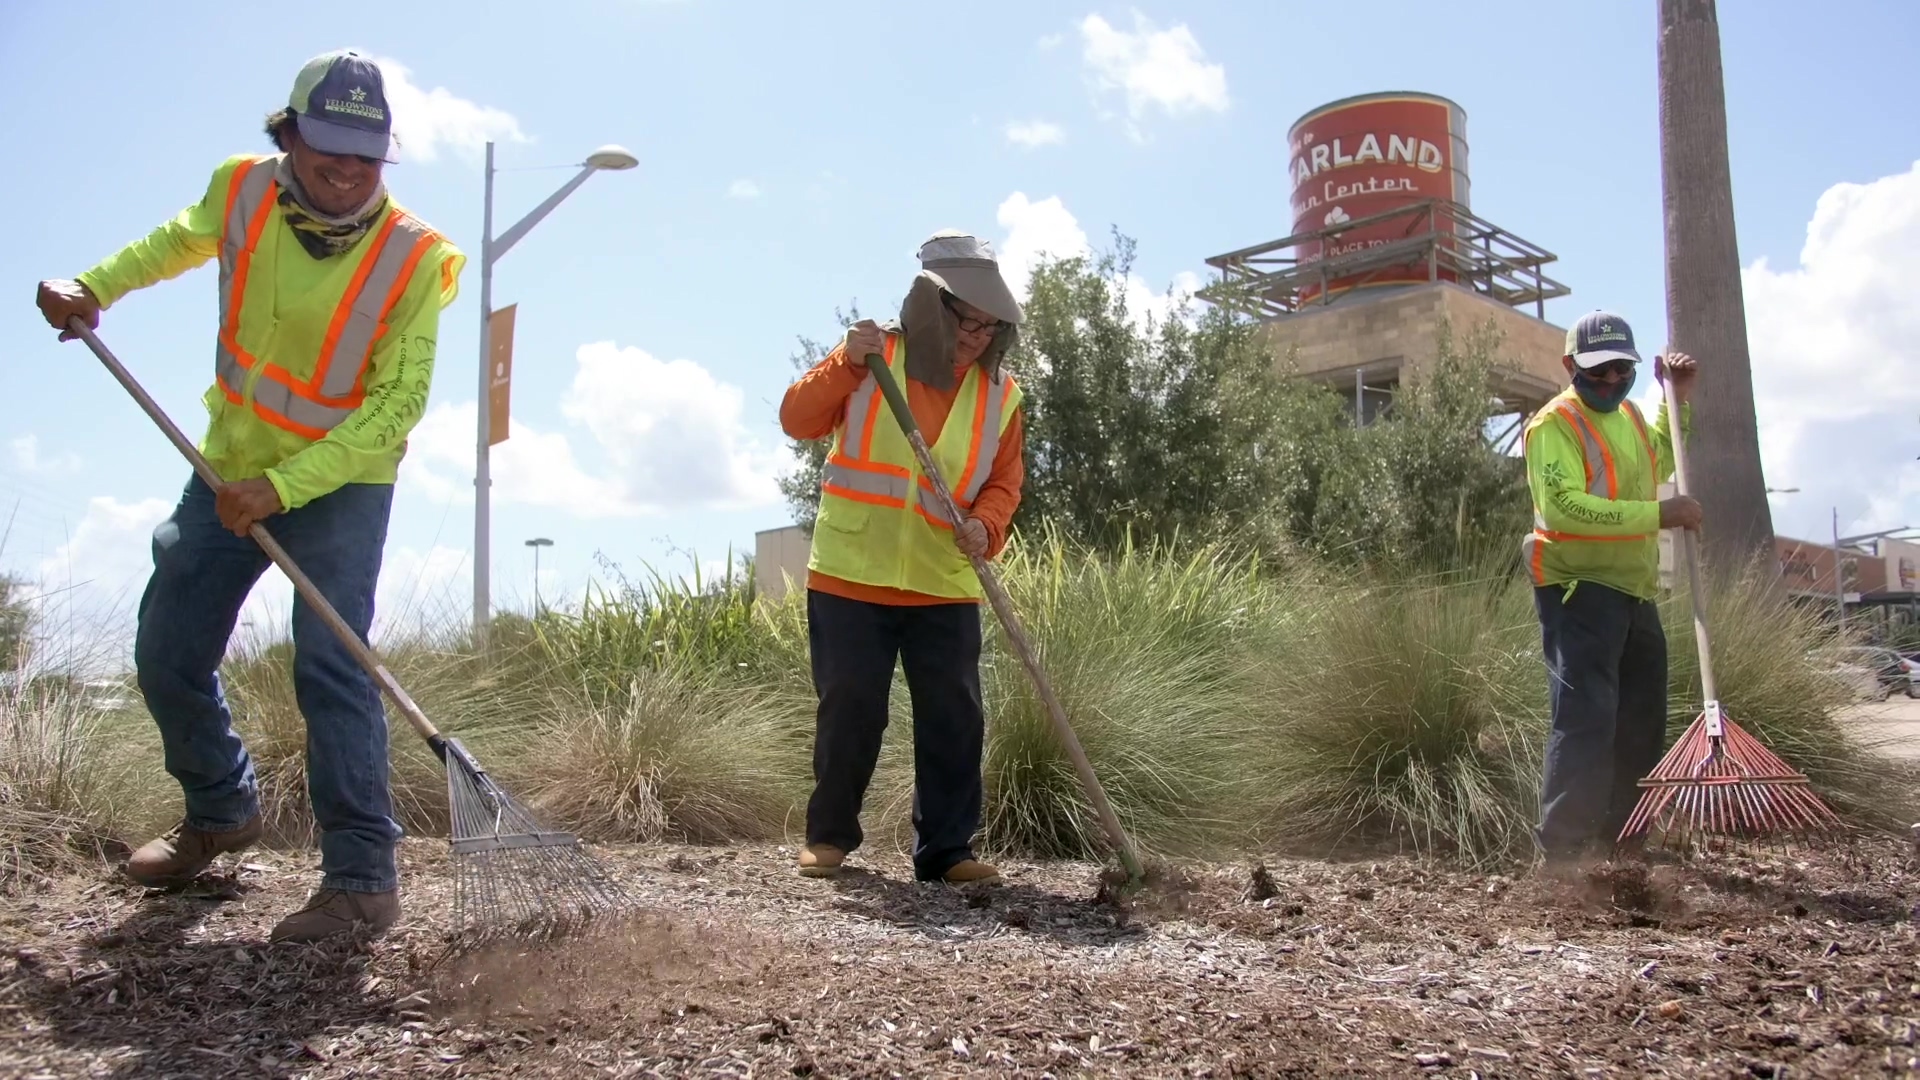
(964,265)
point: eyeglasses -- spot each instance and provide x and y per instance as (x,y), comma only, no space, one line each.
(1617,368)
(970,325)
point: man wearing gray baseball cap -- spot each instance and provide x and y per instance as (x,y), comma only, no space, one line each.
(329,307)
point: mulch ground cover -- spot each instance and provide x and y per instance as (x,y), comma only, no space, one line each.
(1794,965)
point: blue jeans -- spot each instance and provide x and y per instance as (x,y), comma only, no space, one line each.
(202,574)
(1607,664)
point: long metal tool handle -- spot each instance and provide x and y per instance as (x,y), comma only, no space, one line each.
(1003,607)
(1690,543)
(308,591)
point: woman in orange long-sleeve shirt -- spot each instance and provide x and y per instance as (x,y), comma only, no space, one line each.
(888,578)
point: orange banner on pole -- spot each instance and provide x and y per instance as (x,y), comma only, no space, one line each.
(500,379)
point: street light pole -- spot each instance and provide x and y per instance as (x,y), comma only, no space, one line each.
(536,544)
(1839,583)
(612,158)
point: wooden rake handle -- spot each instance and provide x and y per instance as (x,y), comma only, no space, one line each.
(1016,633)
(308,591)
(1690,548)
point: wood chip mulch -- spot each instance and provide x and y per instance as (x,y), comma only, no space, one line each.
(1780,966)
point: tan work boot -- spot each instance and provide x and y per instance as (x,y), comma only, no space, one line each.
(821,860)
(178,855)
(971,872)
(335,911)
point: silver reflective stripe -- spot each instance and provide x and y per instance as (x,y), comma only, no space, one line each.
(269,394)
(857,405)
(930,505)
(355,344)
(989,447)
(885,485)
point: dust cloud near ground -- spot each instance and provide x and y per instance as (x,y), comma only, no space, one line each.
(1797,964)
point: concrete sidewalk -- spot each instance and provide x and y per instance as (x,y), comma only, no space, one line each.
(1895,721)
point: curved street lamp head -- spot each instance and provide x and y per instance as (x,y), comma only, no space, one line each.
(611,157)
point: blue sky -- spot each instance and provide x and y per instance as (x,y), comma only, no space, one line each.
(792,157)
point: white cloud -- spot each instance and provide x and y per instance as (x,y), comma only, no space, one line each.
(668,436)
(109,552)
(1836,372)
(671,431)
(1033,133)
(743,189)
(533,467)
(27,459)
(1152,68)
(1035,230)
(1048,230)
(425,121)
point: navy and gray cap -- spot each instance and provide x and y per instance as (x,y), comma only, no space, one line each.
(1598,337)
(339,102)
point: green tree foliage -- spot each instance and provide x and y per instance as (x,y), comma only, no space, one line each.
(16,621)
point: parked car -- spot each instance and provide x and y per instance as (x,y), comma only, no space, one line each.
(1890,671)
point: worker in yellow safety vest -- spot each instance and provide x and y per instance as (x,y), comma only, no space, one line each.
(889,578)
(329,306)
(1595,466)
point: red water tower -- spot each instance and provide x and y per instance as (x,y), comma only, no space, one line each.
(1384,248)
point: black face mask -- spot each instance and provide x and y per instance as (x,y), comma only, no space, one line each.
(1599,396)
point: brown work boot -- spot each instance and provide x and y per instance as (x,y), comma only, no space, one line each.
(971,872)
(821,860)
(182,852)
(330,912)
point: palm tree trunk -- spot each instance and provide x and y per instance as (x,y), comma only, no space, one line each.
(1706,314)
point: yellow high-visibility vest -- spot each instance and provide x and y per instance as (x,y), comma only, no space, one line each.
(880,522)
(307,394)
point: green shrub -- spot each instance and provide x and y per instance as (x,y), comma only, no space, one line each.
(60,781)
(682,755)
(1409,715)
(1141,649)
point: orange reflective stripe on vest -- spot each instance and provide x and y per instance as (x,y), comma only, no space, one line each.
(312,406)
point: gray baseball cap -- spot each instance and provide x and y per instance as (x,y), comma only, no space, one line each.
(1598,337)
(340,104)
(965,266)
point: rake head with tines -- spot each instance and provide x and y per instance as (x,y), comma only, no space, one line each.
(511,876)
(1718,780)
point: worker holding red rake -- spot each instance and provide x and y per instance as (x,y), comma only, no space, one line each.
(1594,466)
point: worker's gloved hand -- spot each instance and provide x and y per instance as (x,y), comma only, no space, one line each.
(1679,512)
(244,502)
(62,300)
(971,538)
(864,338)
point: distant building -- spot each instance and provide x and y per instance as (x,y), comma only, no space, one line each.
(780,560)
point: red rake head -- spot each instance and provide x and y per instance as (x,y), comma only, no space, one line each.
(1718,780)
